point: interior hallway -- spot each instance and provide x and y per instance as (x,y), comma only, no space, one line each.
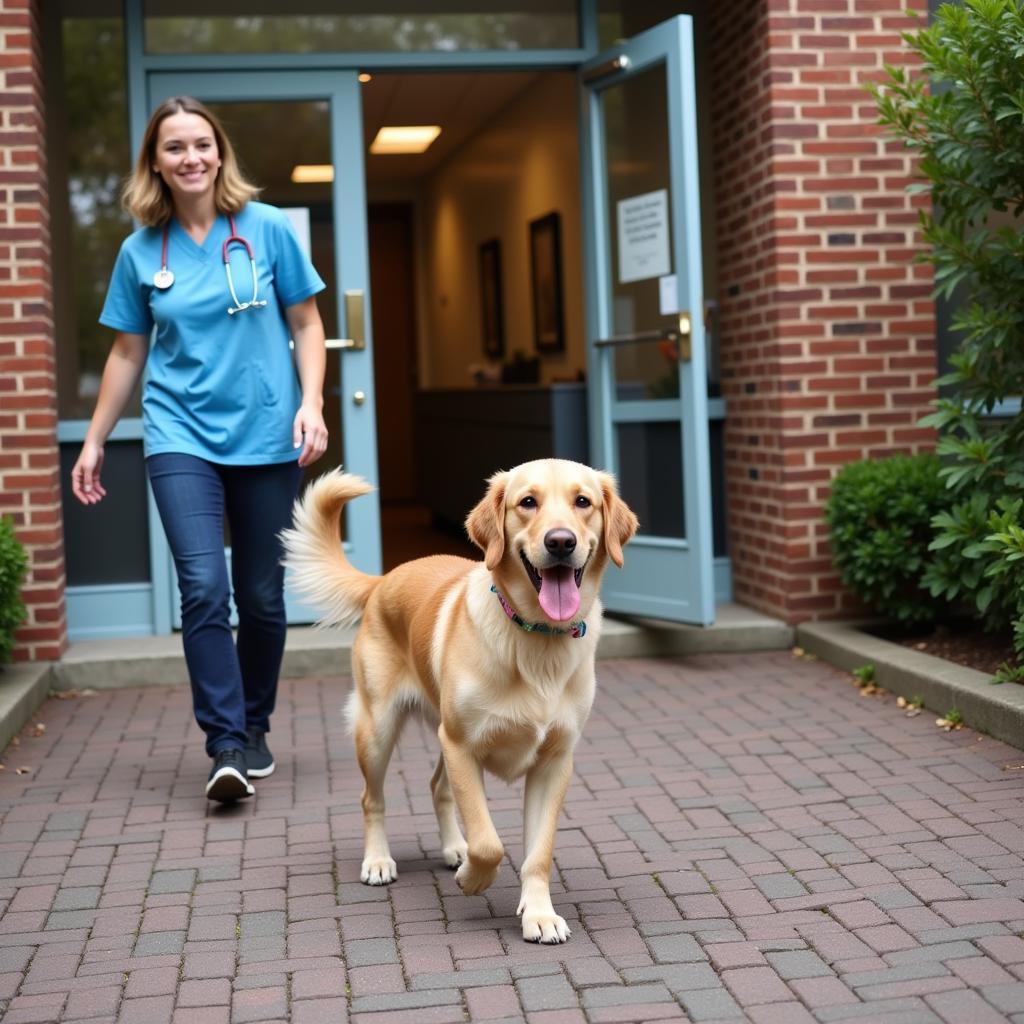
(408,532)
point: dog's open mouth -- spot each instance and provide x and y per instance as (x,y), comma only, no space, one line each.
(558,588)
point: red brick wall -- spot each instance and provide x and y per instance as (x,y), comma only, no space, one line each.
(29,460)
(827,328)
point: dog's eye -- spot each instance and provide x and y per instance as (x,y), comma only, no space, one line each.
(582,501)
(528,502)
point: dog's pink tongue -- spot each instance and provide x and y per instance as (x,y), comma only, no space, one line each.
(559,596)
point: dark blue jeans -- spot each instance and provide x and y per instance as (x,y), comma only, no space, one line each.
(234,685)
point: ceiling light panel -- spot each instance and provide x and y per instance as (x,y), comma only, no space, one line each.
(312,174)
(405,138)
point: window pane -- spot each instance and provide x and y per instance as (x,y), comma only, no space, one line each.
(635,114)
(650,470)
(636,118)
(89,157)
(324,26)
(647,370)
(621,19)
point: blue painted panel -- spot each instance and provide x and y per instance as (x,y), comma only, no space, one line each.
(98,613)
(723,581)
(75,430)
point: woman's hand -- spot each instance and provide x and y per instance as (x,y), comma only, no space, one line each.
(85,475)
(310,431)
(121,374)
(307,331)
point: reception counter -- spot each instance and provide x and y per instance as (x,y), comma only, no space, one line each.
(463,435)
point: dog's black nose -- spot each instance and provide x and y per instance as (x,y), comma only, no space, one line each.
(560,542)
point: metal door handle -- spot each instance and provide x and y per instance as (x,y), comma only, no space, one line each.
(355,321)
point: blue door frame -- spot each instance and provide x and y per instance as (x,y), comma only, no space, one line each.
(668,577)
(340,90)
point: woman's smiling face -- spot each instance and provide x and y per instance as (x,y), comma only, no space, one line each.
(187,157)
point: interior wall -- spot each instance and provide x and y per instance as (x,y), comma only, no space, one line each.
(523,165)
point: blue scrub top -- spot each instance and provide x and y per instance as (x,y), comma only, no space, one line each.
(223,388)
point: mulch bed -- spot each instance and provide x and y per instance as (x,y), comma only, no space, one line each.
(964,643)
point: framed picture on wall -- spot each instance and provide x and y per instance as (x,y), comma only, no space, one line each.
(492,312)
(546,282)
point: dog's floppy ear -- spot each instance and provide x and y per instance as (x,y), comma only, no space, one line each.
(486,523)
(619,522)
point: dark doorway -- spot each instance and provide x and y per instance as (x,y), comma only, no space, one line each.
(394,340)
(407,529)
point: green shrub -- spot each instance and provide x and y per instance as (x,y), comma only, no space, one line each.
(13,564)
(1001,554)
(879,517)
(963,115)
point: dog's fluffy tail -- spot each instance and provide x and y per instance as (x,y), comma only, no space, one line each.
(313,552)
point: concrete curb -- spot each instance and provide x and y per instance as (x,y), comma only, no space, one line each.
(995,710)
(22,689)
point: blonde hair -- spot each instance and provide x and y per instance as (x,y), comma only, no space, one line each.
(145,194)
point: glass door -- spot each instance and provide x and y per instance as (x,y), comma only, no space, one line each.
(646,354)
(279,121)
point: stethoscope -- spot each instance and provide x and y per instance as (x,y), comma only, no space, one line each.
(164,278)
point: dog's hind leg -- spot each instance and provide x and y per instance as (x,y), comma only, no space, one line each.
(453,845)
(375,740)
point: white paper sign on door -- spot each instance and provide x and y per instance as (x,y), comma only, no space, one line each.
(643,236)
(668,295)
(298,216)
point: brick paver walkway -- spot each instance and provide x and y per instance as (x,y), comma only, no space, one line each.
(746,839)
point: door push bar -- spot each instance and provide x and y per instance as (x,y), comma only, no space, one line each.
(355,321)
(680,338)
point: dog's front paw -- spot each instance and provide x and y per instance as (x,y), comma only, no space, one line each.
(378,871)
(473,880)
(456,854)
(547,928)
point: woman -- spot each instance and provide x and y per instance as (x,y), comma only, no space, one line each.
(227,423)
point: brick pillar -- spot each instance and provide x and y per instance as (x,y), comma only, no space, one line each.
(29,457)
(827,326)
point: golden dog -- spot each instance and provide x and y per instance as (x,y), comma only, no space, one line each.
(500,654)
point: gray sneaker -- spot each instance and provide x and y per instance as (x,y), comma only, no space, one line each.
(258,757)
(228,782)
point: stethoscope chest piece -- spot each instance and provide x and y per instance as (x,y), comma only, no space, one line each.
(164,278)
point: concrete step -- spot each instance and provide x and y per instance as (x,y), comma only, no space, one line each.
(312,652)
(309,651)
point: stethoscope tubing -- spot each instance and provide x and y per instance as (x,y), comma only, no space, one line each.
(163,278)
